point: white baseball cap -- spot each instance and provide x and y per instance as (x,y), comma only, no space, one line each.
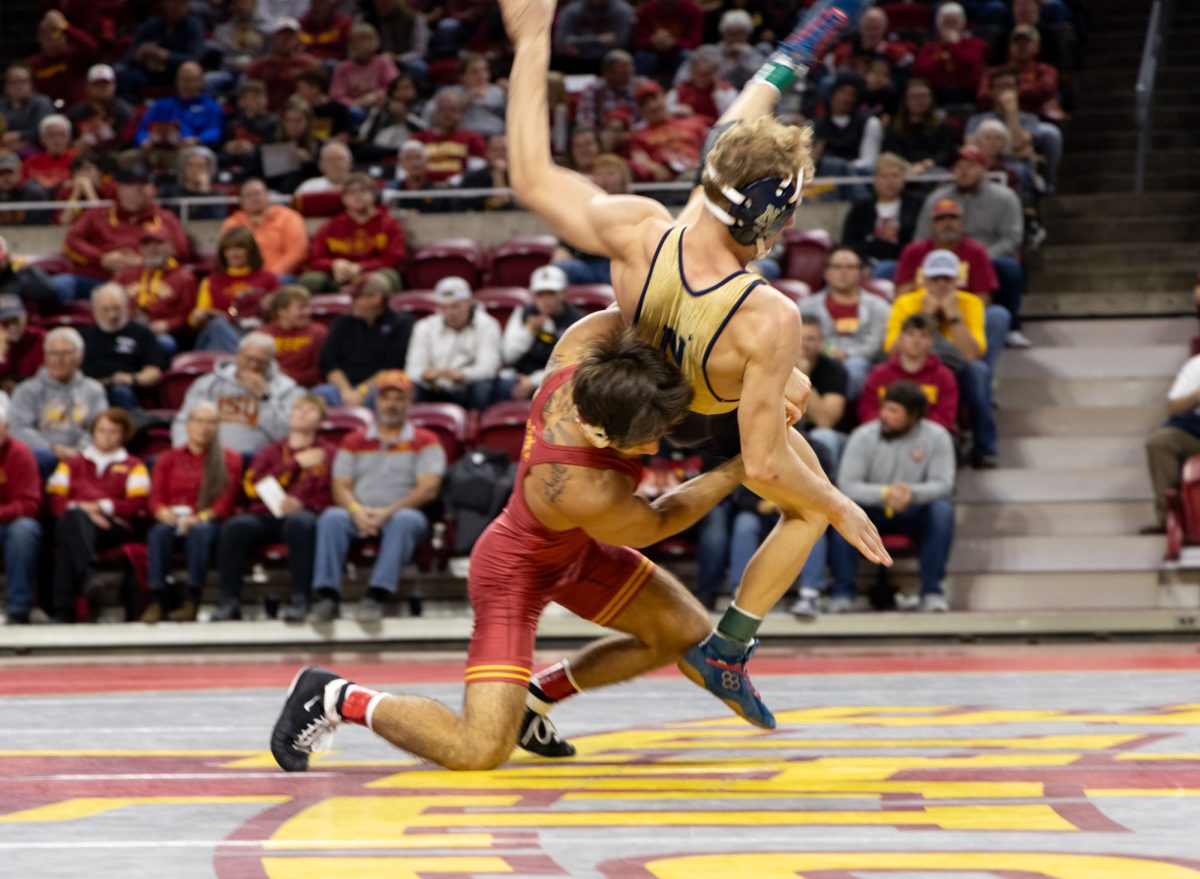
(101,73)
(451,289)
(547,278)
(940,264)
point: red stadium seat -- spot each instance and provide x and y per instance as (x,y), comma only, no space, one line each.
(882,288)
(202,361)
(448,421)
(343,420)
(899,544)
(501,302)
(66,319)
(1195,346)
(590,297)
(502,426)
(910,20)
(325,308)
(185,369)
(807,253)
(154,438)
(418,303)
(450,257)
(318,204)
(513,261)
(1183,509)
(798,290)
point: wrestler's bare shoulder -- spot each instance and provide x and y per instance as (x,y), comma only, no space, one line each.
(578,339)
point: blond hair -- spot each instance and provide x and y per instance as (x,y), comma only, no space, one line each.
(755,149)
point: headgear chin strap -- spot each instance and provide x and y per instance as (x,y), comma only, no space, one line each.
(759,211)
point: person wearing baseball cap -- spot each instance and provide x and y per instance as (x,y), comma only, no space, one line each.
(101,119)
(455,354)
(14,188)
(671,143)
(961,342)
(20,343)
(284,60)
(532,332)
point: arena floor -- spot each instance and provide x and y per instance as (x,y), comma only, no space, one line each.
(1063,761)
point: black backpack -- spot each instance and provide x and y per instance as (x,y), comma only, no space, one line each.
(477,488)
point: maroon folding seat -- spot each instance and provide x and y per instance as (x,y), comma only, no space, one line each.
(450,257)
(513,261)
(502,426)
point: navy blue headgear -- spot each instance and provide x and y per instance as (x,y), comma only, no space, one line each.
(759,210)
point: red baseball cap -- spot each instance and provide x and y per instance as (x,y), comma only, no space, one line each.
(396,379)
(972,154)
(646,89)
(947,207)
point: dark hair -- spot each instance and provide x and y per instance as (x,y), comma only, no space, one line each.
(316,77)
(285,296)
(811,320)
(239,236)
(846,248)
(920,322)
(120,418)
(630,390)
(909,395)
(469,58)
(359,178)
(1000,72)
(904,125)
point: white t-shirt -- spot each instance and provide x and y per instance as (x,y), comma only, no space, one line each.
(1188,380)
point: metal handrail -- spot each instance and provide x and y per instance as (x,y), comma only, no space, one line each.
(1143,92)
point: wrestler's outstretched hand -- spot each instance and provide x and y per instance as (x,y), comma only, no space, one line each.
(854,525)
(527,19)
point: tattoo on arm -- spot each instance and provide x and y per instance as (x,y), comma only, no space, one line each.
(556,483)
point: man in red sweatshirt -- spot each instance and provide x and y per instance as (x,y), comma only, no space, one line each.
(912,360)
(20,533)
(364,239)
(20,344)
(300,468)
(105,240)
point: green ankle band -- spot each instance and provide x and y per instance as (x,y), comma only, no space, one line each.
(738,626)
(778,73)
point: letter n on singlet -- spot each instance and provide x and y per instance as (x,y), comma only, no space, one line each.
(672,344)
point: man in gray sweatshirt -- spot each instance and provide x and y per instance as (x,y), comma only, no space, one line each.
(52,411)
(253,398)
(900,469)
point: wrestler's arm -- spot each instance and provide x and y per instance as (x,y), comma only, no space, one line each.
(575,208)
(609,512)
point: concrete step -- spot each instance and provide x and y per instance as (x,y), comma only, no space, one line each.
(1163,138)
(1073,302)
(1074,181)
(1149,229)
(1134,421)
(1096,393)
(1095,590)
(1107,277)
(1152,331)
(1130,361)
(1087,518)
(1093,206)
(1011,555)
(1059,255)
(1107,115)
(1019,485)
(1071,452)
(1101,161)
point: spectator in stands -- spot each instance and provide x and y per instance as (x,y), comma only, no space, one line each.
(852,321)
(97,498)
(66,51)
(698,91)
(161,291)
(195,170)
(452,149)
(295,130)
(454,355)
(28,282)
(665,32)
(1024,128)
(1037,87)
(50,167)
(484,102)
(236,42)
(231,293)
(880,96)
(102,121)
(992,216)
(870,42)
(20,532)
(370,339)
(247,130)
(123,355)
(493,176)
(285,60)
(361,81)
(1176,440)
(919,132)
(193,489)
(298,473)
(52,411)
(162,45)
(611,173)
(961,343)
(331,119)
(404,33)
(381,478)
(953,63)
(993,139)
(15,190)
(900,468)
(104,240)
(389,125)
(412,175)
(298,338)
(532,332)
(20,344)
(585,147)
(23,109)
(87,185)
(665,148)
(586,30)
(252,397)
(913,360)
(879,227)
(325,30)
(335,165)
(739,59)
(827,399)
(278,230)
(363,240)
(846,138)
(1055,31)
(613,91)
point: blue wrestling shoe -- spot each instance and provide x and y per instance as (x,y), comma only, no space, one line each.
(818,29)
(719,665)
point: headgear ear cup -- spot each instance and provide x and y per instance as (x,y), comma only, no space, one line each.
(759,210)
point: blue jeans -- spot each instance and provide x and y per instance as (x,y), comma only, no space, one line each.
(1048,142)
(20,538)
(931,525)
(218,335)
(476,395)
(68,288)
(198,548)
(834,442)
(750,530)
(123,397)
(997,321)
(712,552)
(1012,287)
(975,388)
(169,345)
(885,269)
(46,461)
(856,373)
(401,535)
(587,270)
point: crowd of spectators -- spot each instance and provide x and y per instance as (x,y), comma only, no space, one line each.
(326,103)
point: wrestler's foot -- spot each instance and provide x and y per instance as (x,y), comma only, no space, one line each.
(718,664)
(309,718)
(818,29)
(540,736)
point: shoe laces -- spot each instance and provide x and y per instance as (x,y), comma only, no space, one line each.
(541,729)
(317,736)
